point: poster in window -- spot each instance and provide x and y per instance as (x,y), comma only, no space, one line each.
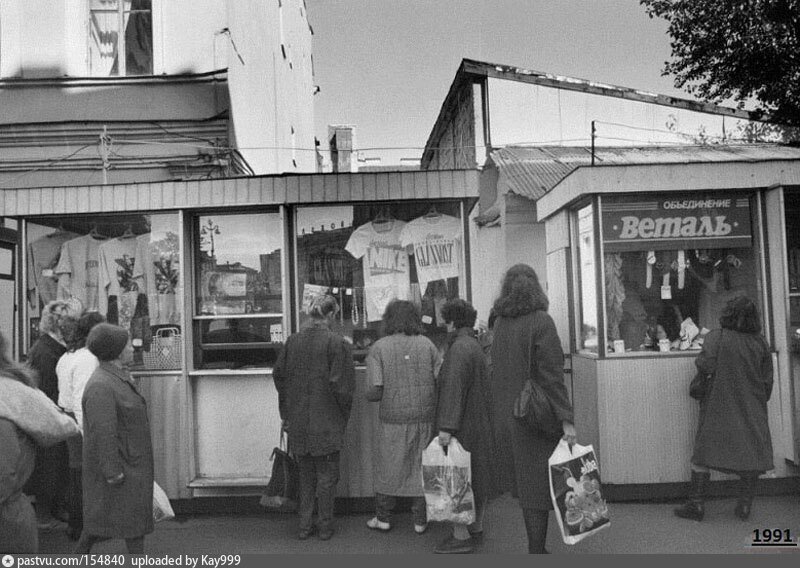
(223,293)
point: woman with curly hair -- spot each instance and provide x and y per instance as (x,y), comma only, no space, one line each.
(733,431)
(401,371)
(526,346)
(50,476)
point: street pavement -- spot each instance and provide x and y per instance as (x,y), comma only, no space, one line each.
(636,528)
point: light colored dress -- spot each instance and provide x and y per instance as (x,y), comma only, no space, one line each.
(406,367)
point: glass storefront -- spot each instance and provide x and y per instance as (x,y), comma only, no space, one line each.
(126,267)
(670,265)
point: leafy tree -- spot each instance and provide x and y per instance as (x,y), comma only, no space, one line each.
(736,49)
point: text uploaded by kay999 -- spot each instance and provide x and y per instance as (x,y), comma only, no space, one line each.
(120,560)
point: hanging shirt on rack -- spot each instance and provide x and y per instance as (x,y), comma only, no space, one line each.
(436,243)
(117,258)
(78,273)
(43,256)
(385,262)
(156,272)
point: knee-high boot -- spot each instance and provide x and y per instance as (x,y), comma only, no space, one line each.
(694,508)
(747,491)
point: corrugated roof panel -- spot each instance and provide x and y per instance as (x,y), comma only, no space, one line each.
(532,171)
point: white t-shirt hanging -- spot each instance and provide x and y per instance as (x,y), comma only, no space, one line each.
(385,262)
(78,271)
(436,241)
(117,258)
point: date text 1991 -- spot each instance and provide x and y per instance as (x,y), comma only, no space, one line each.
(773,537)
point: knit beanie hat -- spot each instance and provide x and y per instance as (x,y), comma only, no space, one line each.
(106,341)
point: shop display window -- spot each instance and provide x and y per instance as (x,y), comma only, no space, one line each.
(367,255)
(670,265)
(238,317)
(792,212)
(126,267)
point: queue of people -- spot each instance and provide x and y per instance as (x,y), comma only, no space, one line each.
(465,394)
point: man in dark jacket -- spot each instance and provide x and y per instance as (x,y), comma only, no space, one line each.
(315,378)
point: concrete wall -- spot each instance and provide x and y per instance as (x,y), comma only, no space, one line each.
(487,264)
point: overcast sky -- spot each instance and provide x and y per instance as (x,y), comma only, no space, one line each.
(385,66)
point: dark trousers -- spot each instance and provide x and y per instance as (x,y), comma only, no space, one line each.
(319,476)
(384,505)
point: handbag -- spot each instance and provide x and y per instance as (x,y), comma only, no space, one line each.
(283,488)
(533,409)
(701,383)
(166,350)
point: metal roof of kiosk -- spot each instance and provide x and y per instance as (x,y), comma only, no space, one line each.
(650,178)
(242,191)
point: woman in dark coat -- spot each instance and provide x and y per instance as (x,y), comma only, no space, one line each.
(733,431)
(51,475)
(526,346)
(117,449)
(463,412)
(315,378)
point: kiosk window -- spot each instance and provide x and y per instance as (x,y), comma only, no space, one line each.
(671,264)
(238,317)
(368,255)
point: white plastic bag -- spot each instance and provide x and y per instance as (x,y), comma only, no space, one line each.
(162,509)
(575,489)
(447,482)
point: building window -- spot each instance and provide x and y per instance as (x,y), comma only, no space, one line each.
(368,255)
(120,27)
(238,290)
(670,265)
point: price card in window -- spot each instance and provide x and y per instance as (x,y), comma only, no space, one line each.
(666,292)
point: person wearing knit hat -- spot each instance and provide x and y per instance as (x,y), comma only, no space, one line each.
(107,341)
(117,448)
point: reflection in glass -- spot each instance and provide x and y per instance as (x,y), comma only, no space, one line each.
(239,260)
(587,276)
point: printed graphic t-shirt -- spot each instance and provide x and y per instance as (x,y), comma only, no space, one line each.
(385,262)
(43,256)
(156,269)
(77,271)
(117,258)
(436,242)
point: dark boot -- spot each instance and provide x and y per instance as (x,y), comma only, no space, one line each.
(536,527)
(746,492)
(693,508)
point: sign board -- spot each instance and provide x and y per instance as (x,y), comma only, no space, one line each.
(676,221)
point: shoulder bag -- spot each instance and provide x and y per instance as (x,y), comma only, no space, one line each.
(533,409)
(701,383)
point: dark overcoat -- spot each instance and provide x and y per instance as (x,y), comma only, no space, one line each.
(116,439)
(464,407)
(51,473)
(315,379)
(733,431)
(17,520)
(525,347)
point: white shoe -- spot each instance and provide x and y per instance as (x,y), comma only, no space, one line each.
(377,524)
(419,529)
